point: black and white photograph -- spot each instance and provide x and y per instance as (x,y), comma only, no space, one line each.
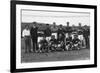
(54,35)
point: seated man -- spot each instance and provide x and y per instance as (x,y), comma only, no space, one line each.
(60,43)
(68,43)
(43,44)
(76,42)
(53,43)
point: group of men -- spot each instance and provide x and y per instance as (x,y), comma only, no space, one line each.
(30,33)
(50,43)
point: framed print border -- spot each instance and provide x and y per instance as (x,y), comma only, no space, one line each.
(13,35)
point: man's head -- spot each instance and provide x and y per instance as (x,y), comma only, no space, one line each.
(27,26)
(60,26)
(54,23)
(67,24)
(76,36)
(60,36)
(85,27)
(44,38)
(80,24)
(34,24)
(53,37)
(47,25)
(69,35)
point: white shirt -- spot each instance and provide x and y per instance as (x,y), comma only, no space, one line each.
(26,32)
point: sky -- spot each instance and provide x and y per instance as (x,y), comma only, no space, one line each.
(55,16)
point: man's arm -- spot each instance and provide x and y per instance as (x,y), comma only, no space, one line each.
(31,31)
(23,33)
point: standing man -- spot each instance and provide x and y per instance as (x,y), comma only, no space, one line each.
(47,32)
(54,29)
(80,35)
(26,35)
(34,37)
(86,34)
(61,37)
(61,33)
(68,29)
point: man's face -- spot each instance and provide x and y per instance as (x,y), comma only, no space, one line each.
(54,24)
(47,26)
(44,38)
(26,27)
(69,35)
(60,35)
(59,27)
(53,37)
(34,26)
(75,36)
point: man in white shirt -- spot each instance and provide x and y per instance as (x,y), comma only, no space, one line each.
(26,35)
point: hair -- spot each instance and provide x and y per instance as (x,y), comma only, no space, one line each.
(54,22)
(67,22)
(47,24)
(52,35)
(60,25)
(44,36)
(26,25)
(34,22)
(76,35)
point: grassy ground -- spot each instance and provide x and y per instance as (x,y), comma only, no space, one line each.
(82,54)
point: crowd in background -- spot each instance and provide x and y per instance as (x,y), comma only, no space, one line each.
(56,37)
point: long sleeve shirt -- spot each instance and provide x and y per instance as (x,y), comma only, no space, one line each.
(26,32)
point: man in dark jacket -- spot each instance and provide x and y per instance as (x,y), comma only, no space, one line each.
(68,29)
(61,33)
(47,32)
(76,42)
(34,37)
(86,34)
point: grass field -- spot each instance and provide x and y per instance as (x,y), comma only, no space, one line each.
(82,54)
